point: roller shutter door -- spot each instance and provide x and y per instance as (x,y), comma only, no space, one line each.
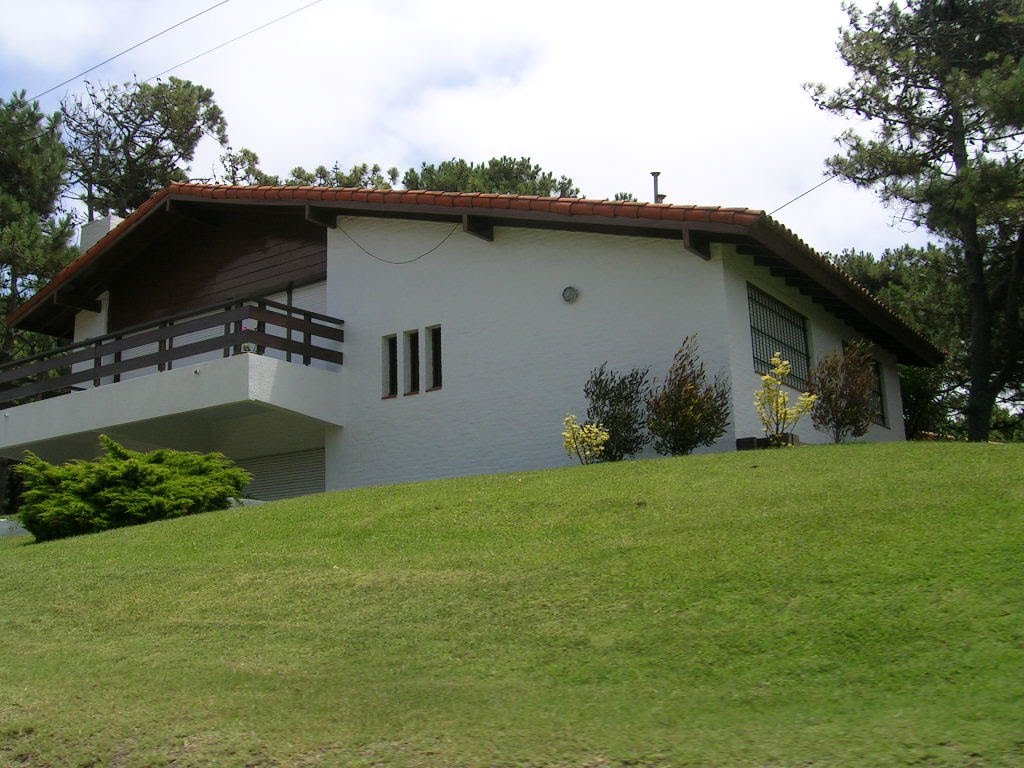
(285,475)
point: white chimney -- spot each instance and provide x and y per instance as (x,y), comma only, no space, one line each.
(93,231)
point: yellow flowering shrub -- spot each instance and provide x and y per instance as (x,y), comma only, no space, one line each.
(772,403)
(584,441)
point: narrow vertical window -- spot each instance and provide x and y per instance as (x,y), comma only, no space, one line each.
(389,353)
(412,362)
(434,379)
(878,396)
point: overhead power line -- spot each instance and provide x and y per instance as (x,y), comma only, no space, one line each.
(802,194)
(183,63)
(233,40)
(128,50)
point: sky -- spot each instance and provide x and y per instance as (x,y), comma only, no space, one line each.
(709,94)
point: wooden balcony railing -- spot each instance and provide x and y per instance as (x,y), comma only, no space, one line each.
(254,324)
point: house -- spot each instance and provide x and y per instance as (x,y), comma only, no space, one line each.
(332,338)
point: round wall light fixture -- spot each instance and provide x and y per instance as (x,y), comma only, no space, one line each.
(570,294)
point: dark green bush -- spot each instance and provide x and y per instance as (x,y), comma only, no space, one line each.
(616,402)
(121,488)
(8,489)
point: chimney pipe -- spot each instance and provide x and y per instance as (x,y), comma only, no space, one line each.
(657,198)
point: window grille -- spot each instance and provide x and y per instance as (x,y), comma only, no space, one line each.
(774,327)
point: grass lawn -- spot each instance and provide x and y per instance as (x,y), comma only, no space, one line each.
(821,606)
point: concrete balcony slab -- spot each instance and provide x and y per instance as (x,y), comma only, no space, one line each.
(247,404)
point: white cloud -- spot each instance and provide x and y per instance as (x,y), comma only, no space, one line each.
(709,94)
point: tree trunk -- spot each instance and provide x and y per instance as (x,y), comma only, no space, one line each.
(981,399)
(981,395)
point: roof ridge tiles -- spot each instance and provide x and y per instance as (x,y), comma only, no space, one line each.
(536,202)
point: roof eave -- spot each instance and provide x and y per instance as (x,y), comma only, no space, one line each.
(910,347)
(21,317)
(695,225)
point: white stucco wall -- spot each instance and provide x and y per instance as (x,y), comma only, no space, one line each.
(515,355)
(91,324)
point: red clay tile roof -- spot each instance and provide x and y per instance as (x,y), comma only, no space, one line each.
(783,243)
(562,206)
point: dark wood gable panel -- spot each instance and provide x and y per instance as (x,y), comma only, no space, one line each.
(197,264)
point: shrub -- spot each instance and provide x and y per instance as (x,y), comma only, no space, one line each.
(686,411)
(8,489)
(616,402)
(777,416)
(121,488)
(844,385)
(584,441)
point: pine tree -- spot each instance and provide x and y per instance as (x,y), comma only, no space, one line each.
(127,141)
(502,175)
(33,236)
(940,83)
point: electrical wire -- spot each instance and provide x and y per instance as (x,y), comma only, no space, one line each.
(397,263)
(802,194)
(128,50)
(181,64)
(233,40)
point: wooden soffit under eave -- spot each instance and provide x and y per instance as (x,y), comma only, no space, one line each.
(44,313)
(844,298)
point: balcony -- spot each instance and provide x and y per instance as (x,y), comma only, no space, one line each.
(250,378)
(251,325)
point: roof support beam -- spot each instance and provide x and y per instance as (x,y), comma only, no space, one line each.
(193,213)
(697,242)
(67,298)
(324,217)
(759,253)
(478,227)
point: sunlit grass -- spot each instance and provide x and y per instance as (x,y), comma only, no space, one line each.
(833,606)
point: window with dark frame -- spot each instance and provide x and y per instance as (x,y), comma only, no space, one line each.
(774,327)
(434,376)
(390,354)
(412,362)
(418,367)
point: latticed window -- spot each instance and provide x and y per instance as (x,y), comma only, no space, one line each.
(774,327)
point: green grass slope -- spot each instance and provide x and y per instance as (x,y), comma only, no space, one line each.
(820,606)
